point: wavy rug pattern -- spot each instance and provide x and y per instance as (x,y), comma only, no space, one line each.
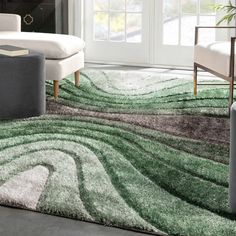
(129,149)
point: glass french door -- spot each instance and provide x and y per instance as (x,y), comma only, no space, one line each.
(175,38)
(147,32)
(116,30)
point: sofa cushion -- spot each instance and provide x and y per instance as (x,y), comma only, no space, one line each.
(11,22)
(53,46)
(215,56)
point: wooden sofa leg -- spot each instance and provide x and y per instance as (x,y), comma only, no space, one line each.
(231,93)
(195,80)
(56,88)
(77,78)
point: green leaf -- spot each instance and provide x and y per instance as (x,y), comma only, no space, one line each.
(230,12)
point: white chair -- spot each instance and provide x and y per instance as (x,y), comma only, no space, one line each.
(64,53)
(216,57)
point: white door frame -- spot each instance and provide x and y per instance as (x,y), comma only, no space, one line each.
(76,17)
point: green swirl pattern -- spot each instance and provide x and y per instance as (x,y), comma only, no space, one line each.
(128,149)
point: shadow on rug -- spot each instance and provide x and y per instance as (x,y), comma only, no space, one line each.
(133,150)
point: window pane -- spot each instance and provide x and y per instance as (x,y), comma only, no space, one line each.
(117,5)
(206,6)
(134,5)
(134,28)
(101,5)
(170,9)
(171,22)
(188,24)
(189,6)
(207,35)
(171,32)
(101,26)
(117,27)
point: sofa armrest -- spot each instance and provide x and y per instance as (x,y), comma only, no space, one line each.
(10,22)
(209,27)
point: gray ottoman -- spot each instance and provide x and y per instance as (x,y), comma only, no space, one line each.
(22,86)
(232,183)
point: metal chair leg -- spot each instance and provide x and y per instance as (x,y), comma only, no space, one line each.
(195,80)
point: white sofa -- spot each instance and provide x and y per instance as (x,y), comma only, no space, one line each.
(64,53)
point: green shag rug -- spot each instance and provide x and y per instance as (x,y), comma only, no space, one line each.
(131,149)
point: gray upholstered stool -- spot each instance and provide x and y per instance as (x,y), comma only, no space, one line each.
(22,86)
(232,184)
